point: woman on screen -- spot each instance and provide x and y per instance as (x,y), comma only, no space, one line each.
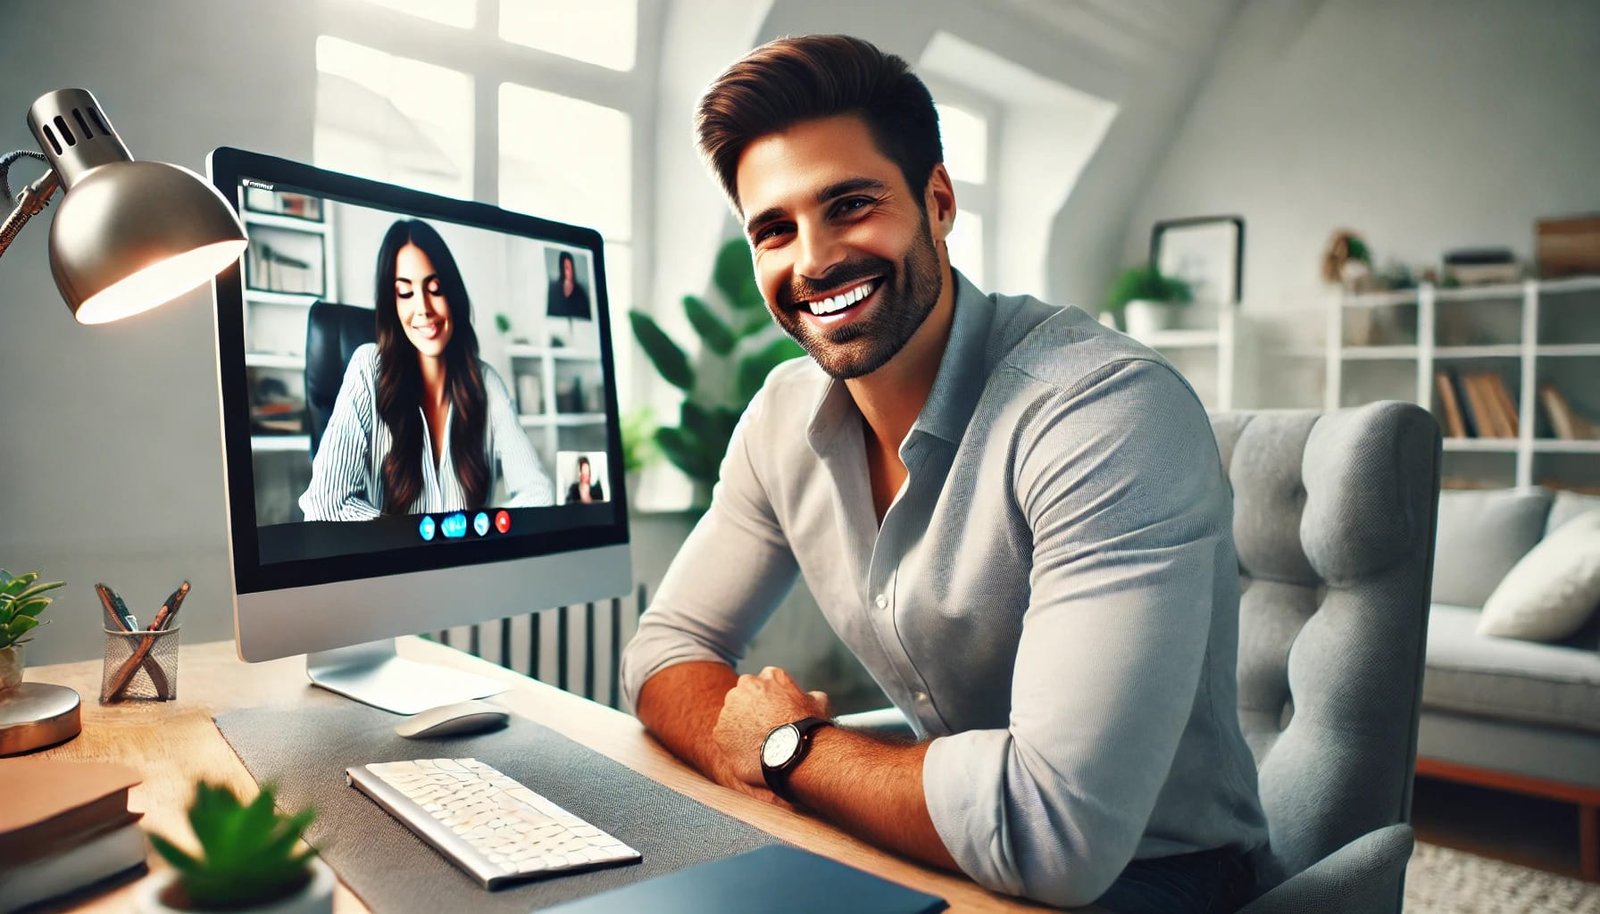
(420,420)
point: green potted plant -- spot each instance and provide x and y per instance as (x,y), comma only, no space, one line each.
(248,861)
(738,350)
(1147,300)
(638,446)
(21,602)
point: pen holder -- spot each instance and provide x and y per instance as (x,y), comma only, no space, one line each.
(140,665)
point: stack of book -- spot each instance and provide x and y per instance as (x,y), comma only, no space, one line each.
(1476,404)
(1565,422)
(65,827)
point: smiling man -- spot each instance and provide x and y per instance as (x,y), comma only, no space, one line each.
(1015,518)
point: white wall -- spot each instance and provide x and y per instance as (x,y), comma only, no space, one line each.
(1424,125)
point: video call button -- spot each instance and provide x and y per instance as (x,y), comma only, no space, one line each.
(427,528)
(455,526)
(480,523)
(502,521)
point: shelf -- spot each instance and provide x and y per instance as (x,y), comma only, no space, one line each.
(1482,445)
(1496,351)
(1561,446)
(1568,349)
(293,299)
(1182,339)
(524,351)
(1380,299)
(260,444)
(286,222)
(274,360)
(1474,293)
(561,420)
(1378,353)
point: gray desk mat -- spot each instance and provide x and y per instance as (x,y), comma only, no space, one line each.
(306,750)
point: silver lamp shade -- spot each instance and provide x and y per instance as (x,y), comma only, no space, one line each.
(129,235)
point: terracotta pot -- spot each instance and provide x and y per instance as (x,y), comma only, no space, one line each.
(315,898)
(10,668)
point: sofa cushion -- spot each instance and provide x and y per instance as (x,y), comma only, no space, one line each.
(1499,677)
(1482,534)
(1554,590)
(1568,505)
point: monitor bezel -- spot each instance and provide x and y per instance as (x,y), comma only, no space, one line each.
(227,167)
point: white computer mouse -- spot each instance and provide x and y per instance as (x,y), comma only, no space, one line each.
(458,719)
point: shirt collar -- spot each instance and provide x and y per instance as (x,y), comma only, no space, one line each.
(956,387)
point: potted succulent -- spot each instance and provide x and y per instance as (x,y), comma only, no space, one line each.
(21,602)
(1147,300)
(248,861)
(639,448)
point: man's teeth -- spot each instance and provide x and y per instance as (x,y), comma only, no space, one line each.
(841,301)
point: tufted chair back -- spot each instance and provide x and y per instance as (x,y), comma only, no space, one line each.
(1334,522)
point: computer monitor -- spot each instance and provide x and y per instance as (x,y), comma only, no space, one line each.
(410,440)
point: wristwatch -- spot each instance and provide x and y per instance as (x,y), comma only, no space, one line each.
(783,751)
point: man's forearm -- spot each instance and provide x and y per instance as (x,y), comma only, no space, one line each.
(872,789)
(679,706)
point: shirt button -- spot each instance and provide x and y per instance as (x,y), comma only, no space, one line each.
(922,696)
(882,601)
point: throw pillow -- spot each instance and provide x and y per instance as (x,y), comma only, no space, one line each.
(1550,593)
(1482,535)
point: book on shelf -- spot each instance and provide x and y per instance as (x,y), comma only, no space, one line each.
(1501,395)
(64,827)
(1484,415)
(1454,424)
(1565,422)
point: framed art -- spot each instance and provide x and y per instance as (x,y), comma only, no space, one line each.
(1207,252)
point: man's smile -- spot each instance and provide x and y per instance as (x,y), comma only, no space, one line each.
(842,300)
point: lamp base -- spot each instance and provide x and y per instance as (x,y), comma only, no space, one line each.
(35,715)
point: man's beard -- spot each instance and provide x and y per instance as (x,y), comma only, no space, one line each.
(906,295)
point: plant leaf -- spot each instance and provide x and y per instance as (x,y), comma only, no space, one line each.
(688,456)
(735,276)
(173,854)
(756,323)
(668,359)
(754,368)
(30,607)
(716,335)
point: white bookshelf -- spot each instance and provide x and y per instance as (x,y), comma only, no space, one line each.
(1525,359)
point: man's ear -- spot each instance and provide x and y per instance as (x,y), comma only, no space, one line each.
(939,202)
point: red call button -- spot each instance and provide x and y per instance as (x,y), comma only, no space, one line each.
(502,521)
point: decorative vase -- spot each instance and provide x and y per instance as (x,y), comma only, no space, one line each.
(10,668)
(1147,318)
(315,898)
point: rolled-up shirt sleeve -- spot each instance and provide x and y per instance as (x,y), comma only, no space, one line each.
(1119,480)
(733,570)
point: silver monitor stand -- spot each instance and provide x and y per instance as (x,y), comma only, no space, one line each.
(374,674)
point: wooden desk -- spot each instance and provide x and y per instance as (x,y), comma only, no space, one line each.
(175,744)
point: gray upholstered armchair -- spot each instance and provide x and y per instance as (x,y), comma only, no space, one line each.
(1334,521)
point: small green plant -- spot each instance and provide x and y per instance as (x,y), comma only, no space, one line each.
(502,323)
(1146,283)
(247,852)
(638,439)
(21,604)
(737,355)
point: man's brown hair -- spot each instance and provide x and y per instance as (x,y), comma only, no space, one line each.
(799,79)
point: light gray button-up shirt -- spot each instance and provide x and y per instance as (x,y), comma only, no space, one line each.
(1052,598)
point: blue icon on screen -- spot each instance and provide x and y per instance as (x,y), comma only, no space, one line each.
(481,523)
(426,528)
(454,526)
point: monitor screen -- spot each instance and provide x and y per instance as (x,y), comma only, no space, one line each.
(409,382)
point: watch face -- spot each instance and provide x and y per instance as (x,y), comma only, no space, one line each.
(780,746)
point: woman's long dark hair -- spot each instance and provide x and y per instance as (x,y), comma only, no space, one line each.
(400,378)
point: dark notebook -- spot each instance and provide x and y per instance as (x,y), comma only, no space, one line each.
(776,879)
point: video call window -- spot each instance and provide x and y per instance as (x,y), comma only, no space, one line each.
(402,367)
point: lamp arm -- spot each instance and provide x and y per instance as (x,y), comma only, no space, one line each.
(31,202)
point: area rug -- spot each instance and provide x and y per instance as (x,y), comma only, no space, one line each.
(1444,881)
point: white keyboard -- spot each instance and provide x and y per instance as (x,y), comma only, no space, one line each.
(488,824)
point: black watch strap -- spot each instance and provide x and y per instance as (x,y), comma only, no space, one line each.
(777,776)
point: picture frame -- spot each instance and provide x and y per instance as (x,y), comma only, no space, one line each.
(1207,252)
(283,203)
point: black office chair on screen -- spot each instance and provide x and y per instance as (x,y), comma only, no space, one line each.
(333,333)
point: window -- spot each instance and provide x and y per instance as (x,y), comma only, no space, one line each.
(393,119)
(966,246)
(965,135)
(601,32)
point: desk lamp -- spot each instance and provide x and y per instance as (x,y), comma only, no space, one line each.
(128,237)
